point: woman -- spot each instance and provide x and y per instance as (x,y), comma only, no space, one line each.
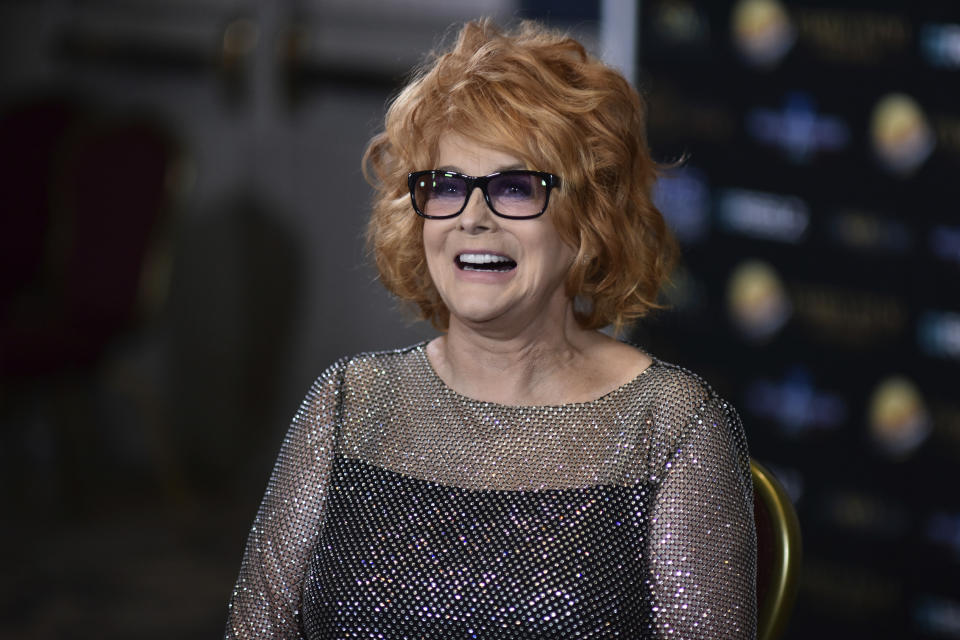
(522,475)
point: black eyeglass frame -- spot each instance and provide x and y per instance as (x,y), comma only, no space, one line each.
(481,182)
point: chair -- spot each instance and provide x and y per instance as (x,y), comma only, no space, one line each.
(778,552)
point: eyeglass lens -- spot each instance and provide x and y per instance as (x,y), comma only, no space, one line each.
(513,193)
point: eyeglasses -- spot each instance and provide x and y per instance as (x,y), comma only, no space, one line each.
(509,194)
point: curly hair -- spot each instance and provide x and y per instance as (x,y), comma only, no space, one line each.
(536,94)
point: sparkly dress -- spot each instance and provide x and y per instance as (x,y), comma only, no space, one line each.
(399,508)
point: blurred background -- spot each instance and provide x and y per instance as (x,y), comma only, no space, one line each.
(181,253)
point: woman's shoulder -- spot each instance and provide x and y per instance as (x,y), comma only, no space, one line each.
(381,364)
(384,358)
(367,379)
(687,412)
(682,400)
(676,383)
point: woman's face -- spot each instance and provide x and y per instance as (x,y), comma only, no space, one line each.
(523,291)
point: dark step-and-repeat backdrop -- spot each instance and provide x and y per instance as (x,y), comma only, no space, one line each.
(817,201)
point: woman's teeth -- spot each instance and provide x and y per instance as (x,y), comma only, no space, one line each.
(484,262)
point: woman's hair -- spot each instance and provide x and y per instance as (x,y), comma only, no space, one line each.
(536,94)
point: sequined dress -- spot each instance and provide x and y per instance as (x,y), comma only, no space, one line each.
(399,508)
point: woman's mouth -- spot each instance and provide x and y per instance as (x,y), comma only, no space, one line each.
(485,262)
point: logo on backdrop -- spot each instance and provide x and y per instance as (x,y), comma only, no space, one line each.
(900,134)
(938,333)
(853,37)
(865,231)
(682,195)
(762,31)
(768,216)
(674,116)
(757,301)
(795,404)
(940,45)
(897,416)
(945,242)
(797,129)
(680,23)
(849,317)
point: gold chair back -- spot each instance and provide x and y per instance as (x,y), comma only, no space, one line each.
(778,553)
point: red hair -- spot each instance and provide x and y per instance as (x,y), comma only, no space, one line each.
(540,96)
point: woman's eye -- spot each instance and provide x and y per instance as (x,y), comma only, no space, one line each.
(514,188)
(445,186)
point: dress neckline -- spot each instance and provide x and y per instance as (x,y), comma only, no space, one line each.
(421,352)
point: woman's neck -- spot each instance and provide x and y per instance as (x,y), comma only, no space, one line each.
(538,364)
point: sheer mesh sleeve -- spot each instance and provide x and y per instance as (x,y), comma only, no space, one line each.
(265,602)
(702,542)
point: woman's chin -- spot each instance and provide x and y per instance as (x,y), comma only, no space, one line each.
(476,316)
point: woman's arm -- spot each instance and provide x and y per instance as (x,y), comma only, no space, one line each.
(266,600)
(702,545)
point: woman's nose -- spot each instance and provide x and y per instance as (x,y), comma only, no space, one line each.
(476,216)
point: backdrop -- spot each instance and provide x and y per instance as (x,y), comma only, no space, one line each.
(815,191)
